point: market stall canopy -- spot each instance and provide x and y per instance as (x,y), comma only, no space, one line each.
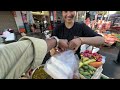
(114,15)
(30,17)
(40,13)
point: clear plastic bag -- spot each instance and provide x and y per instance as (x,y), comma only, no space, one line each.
(62,66)
(76,75)
(55,70)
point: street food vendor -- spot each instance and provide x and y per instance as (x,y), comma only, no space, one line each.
(18,57)
(76,33)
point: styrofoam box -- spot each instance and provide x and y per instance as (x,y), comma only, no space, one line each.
(96,75)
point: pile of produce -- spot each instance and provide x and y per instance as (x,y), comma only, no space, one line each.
(118,37)
(92,59)
(111,38)
(89,64)
(87,71)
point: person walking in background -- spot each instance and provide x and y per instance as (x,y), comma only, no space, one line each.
(93,24)
(41,26)
(87,22)
(45,24)
(118,58)
(58,21)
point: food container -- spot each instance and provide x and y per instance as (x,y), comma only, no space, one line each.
(97,74)
(41,75)
(105,77)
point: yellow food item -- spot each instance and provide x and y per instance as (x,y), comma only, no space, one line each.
(85,59)
(87,62)
(80,64)
(40,74)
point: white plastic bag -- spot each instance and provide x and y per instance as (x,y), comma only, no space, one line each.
(57,69)
(10,37)
(62,66)
(95,50)
(90,48)
(103,59)
(54,71)
(83,47)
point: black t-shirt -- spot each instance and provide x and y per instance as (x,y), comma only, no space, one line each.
(78,30)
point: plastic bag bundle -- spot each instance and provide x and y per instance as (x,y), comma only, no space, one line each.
(85,47)
(62,66)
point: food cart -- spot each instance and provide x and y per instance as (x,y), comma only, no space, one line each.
(68,66)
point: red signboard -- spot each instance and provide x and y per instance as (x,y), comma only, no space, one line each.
(54,15)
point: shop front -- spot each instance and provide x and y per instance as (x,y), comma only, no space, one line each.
(7,21)
(42,19)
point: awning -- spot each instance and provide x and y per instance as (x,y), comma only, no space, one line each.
(41,13)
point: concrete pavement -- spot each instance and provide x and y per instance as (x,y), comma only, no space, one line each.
(110,69)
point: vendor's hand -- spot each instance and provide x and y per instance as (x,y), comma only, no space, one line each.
(63,45)
(74,44)
(55,51)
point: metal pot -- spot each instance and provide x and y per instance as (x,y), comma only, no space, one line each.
(31,77)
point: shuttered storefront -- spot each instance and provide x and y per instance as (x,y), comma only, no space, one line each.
(7,20)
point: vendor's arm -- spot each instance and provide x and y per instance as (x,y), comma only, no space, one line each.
(21,55)
(51,43)
(63,44)
(89,37)
(97,40)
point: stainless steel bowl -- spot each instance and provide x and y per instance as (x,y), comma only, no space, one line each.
(48,77)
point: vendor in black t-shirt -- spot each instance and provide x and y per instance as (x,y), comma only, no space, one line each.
(75,33)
